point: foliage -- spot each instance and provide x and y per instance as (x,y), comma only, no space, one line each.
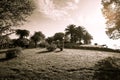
(37,37)
(21,42)
(59,36)
(13,13)
(13,52)
(22,33)
(77,34)
(108,69)
(50,40)
(43,44)
(31,44)
(4,42)
(111,11)
(71,30)
(51,47)
(87,37)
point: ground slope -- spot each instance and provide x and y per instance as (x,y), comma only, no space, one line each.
(37,64)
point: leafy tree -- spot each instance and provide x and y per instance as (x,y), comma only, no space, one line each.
(21,41)
(87,37)
(111,11)
(80,33)
(59,36)
(37,37)
(22,33)
(50,40)
(70,30)
(14,13)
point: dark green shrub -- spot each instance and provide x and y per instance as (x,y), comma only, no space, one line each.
(13,52)
(108,69)
(51,47)
(24,43)
(31,44)
(95,43)
(69,45)
(43,44)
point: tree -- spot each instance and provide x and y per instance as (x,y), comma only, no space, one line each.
(111,11)
(50,40)
(37,37)
(79,33)
(70,30)
(22,33)
(59,36)
(14,13)
(87,37)
(22,41)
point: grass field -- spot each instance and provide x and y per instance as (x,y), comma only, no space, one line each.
(38,64)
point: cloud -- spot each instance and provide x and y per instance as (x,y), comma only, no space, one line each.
(56,11)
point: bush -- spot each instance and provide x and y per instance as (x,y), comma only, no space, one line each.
(70,45)
(24,43)
(11,53)
(51,47)
(108,69)
(31,44)
(43,44)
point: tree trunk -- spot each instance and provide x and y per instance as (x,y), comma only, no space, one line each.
(35,44)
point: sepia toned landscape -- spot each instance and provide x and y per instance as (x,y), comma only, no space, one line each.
(59,40)
(70,64)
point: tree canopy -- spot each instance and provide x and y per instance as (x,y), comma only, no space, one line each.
(111,11)
(22,33)
(37,37)
(77,34)
(14,13)
(59,36)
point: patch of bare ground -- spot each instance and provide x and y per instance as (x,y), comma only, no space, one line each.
(38,64)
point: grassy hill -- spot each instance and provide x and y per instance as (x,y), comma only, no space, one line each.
(38,64)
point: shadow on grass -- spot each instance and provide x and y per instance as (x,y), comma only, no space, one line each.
(108,69)
(6,59)
(43,52)
(58,51)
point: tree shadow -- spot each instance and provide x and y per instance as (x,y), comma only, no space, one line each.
(58,51)
(107,69)
(6,59)
(43,52)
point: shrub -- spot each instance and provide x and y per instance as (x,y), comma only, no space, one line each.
(24,43)
(51,47)
(13,52)
(69,45)
(108,69)
(31,44)
(96,44)
(43,44)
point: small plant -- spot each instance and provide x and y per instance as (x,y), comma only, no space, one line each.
(51,47)
(11,53)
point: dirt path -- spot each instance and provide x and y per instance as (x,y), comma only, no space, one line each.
(41,65)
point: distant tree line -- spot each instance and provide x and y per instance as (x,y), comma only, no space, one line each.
(73,34)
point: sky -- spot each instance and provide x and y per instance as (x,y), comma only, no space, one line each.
(53,16)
